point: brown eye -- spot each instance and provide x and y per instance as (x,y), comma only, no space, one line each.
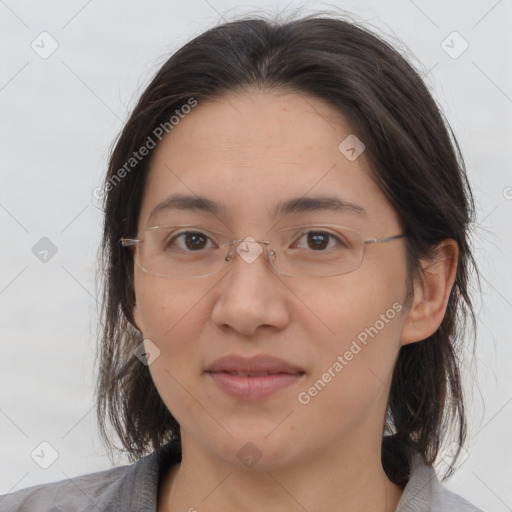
(195,241)
(189,241)
(317,240)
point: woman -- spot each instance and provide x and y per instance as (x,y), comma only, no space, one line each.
(285,258)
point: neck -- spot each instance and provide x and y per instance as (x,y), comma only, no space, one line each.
(353,481)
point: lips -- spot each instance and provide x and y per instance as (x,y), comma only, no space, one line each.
(261,364)
(253,378)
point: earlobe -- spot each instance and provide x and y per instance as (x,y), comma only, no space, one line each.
(431,293)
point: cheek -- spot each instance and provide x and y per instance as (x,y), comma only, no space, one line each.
(172,315)
(163,305)
(361,306)
(364,312)
(349,385)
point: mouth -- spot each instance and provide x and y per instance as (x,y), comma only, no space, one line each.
(254,378)
(254,374)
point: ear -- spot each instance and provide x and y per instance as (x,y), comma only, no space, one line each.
(431,293)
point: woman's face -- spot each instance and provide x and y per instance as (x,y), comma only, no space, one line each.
(337,338)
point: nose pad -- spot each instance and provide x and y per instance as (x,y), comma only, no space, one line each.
(245,302)
(249,249)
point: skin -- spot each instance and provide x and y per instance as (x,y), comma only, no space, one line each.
(249,151)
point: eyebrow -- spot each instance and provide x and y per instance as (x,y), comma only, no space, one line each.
(309,204)
(293,205)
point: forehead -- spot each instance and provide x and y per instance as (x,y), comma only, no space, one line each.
(250,151)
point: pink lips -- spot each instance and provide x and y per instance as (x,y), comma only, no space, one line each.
(252,378)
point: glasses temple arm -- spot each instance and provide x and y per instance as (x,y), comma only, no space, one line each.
(382,240)
(128,242)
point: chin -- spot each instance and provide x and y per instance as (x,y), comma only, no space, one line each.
(258,452)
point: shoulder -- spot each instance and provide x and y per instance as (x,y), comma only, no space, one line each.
(424,493)
(129,488)
(86,492)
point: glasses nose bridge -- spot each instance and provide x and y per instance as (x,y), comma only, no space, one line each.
(248,249)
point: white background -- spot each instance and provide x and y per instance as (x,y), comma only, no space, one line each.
(59,117)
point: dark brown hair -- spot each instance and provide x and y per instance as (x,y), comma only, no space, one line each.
(415,160)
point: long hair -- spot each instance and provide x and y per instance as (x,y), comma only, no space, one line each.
(415,161)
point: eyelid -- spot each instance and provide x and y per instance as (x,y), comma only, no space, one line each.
(184,229)
(339,240)
(214,236)
(330,229)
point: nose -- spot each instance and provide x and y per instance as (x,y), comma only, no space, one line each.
(250,296)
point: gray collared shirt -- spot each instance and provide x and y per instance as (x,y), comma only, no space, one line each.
(134,488)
